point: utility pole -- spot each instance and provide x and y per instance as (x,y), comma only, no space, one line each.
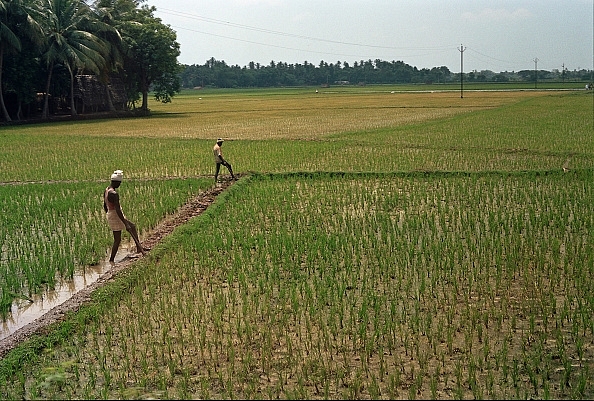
(535,72)
(563,72)
(461,50)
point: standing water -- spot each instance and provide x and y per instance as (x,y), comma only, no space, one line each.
(24,312)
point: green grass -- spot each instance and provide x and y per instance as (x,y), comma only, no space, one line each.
(493,131)
(441,253)
(51,230)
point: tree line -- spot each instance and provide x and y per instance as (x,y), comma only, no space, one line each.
(45,45)
(218,74)
(60,56)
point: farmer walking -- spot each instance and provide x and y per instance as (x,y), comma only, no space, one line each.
(115,217)
(218,158)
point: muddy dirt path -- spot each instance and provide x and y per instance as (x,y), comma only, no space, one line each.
(194,207)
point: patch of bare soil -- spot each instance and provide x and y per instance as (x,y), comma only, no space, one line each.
(194,207)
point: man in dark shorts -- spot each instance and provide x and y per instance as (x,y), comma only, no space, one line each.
(218,158)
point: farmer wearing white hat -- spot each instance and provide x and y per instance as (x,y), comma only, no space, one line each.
(218,158)
(115,217)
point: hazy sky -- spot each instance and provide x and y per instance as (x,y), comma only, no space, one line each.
(497,35)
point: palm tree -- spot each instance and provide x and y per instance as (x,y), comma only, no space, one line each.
(70,41)
(7,39)
(113,13)
(15,18)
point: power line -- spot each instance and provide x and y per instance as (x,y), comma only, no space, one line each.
(292,48)
(263,44)
(507,63)
(417,51)
(279,33)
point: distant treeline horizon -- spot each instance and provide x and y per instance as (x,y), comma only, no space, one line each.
(218,74)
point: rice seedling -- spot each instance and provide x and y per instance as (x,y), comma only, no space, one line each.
(49,231)
(410,283)
(487,131)
(359,202)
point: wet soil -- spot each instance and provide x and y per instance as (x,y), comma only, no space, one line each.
(194,207)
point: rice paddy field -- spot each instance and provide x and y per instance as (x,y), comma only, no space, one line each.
(380,244)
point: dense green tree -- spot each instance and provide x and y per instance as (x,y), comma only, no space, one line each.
(219,74)
(9,41)
(15,21)
(113,13)
(70,41)
(123,39)
(151,57)
(23,78)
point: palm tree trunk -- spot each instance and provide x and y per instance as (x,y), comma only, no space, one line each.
(4,111)
(19,113)
(72,105)
(109,101)
(45,112)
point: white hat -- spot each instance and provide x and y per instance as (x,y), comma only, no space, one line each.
(117,175)
(219,140)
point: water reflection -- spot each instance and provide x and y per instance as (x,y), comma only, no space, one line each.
(24,312)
